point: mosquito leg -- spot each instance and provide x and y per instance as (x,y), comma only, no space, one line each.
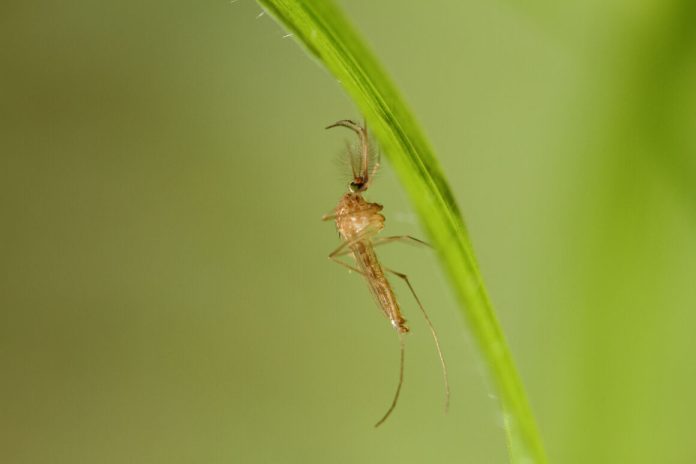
(341,250)
(432,331)
(364,235)
(341,253)
(397,238)
(401,382)
(346,265)
(344,249)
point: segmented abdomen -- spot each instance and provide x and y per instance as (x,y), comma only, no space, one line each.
(379,285)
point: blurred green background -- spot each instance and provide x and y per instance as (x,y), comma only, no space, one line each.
(165,295)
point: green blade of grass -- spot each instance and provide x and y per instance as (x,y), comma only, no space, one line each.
(328,36)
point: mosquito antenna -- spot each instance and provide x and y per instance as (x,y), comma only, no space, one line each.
(349,149)
(401,382)
(374,169)
(376,166)
(362,133)
(434,334)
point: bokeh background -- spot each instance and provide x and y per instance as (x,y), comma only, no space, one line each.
(165,295)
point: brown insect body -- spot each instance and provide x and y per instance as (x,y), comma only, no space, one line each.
(357,222)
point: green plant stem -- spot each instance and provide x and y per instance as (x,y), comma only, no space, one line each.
(324,31)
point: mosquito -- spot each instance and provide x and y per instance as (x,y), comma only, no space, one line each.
(358,222)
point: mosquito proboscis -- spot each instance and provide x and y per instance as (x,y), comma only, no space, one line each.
(358,222)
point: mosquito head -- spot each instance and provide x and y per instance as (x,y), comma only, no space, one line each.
(358,185)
